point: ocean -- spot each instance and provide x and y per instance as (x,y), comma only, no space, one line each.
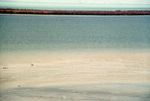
(62,32)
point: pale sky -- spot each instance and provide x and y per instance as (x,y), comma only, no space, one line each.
(74,4)
(88,1)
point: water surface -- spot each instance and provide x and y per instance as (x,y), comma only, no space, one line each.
(50,32)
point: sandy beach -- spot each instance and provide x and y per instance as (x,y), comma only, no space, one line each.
(83,72)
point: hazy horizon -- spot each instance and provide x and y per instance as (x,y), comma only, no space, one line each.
(77,5)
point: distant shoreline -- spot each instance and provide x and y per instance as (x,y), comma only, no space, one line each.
(74,12)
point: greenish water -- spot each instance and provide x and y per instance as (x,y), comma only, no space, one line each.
(81,92)
(57,32)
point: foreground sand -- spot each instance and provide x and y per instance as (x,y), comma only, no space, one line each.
(79,76)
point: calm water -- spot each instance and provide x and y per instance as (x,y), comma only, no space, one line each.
(82,92)
(50,32)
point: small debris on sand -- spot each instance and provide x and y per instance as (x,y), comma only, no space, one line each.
(5,67)
(19,85)
(32,64)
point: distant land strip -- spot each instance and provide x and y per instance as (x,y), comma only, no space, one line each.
(74,12)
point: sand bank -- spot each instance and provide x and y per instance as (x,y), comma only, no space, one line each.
(36,69)
(75,76)
(75,12)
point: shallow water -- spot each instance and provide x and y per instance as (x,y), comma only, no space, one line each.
(81,92)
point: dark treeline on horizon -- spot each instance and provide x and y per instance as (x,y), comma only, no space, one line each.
(74,12)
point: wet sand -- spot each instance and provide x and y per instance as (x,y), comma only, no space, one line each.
(77,76)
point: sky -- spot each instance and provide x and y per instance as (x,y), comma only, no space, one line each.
(75,4)
(88,1)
